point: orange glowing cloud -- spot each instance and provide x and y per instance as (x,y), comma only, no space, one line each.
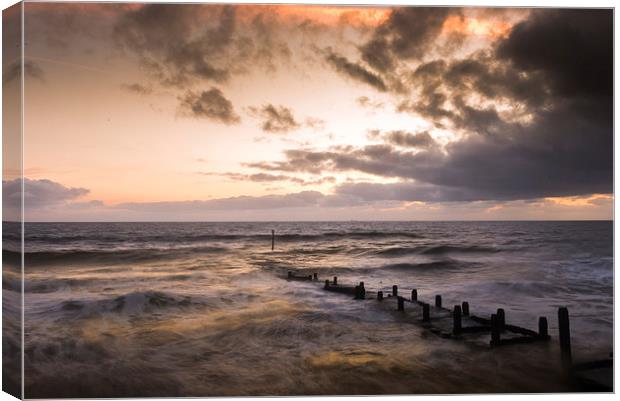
(333,15)
(476,26)
(574,201)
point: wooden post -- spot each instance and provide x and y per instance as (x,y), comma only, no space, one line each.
(465,308)
(394,290)
(543,328)
(501,319)
(401,303)
(316,277)
(438,301)
(495,337)
(379,295)
(564,326)
(426,312)
(360,291)
(273,239)
(326,283)
(335,280)
(414,295)
(456,320)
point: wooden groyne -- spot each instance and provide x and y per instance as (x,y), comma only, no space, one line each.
(459,323)
(455,322)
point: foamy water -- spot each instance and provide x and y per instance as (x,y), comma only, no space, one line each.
(197,309)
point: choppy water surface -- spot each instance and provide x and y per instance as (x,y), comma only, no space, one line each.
(196,309)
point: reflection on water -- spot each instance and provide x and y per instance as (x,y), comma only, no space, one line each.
(197,309)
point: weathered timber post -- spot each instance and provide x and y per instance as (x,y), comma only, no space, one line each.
(335,280)
(438,301)
(273,239)
(426,312)
(401,303)
(501,319)
(543,327)
(495,338)
(564,326)
(414,295)
(394,290)
(326,283)
(360,291)
(379,295)
(316,277)
(465,308)
(456,320)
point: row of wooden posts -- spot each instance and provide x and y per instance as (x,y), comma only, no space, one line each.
(496,324)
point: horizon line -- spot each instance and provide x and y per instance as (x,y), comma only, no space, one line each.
(311,221)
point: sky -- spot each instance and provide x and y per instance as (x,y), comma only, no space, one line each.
(184,112)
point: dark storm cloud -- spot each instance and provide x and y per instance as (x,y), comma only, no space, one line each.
(31,70)
(407,139)
(573,48)
(176,44)
(137,88)
(555,156)
(551,58)
(376,54)
(264,45)
(403,192)
(70,26)
(382,160)
(408,33)
(39,193)
(275,119)
(443,87)
(554,72)
(181,43)
(211,104)
(355,71)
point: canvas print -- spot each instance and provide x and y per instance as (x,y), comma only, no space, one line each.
(246,200)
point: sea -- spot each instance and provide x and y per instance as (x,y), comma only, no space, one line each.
(204,309)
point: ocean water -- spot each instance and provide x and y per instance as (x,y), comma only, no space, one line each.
(199,309)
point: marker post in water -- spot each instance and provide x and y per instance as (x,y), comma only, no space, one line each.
(465,308)
(457,320)
(501,318)
(495,330)
(543,327)
(564,326)
(426,312)
(273,239)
